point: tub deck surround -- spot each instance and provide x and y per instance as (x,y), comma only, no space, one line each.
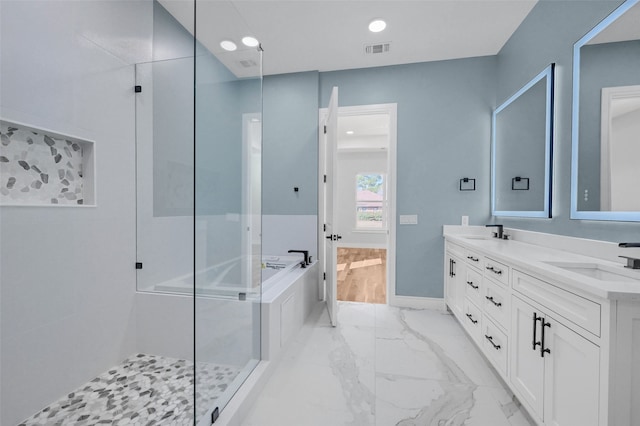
(383,366)
(542,258)
(286,304)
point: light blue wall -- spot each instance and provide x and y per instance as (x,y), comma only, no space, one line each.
(548,35)
(444,115)
(444,123)
(290,144)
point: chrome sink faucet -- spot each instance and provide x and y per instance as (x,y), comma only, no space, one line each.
(499,234)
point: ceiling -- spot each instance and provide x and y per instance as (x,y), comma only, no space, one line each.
(624,28)
(328,35)
(369,132)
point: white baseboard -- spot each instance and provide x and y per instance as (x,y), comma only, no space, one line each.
(417,302)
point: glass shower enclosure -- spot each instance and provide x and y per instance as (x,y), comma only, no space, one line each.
(198,156)
(130,211)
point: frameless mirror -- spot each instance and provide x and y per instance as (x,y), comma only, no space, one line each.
(605,172)
(521,150)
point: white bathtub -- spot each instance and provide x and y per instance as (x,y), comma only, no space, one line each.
(223,280)
(288,294)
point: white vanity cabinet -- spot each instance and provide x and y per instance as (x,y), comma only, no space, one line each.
(556,357)
(555,370)
(559,319)
(557,346)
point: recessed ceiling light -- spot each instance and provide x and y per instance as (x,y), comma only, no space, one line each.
(250,41)
(350,132)
(228,45)
(377,25)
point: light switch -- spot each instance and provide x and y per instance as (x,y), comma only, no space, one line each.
(408,219)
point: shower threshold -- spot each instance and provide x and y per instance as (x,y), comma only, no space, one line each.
(144,390)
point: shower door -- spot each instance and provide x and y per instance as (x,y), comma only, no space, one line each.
(228,105)
(199,129)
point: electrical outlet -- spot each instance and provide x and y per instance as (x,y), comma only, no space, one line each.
(408,219)
(465,221)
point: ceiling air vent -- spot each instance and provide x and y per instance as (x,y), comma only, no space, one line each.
(373,49)
(247,63)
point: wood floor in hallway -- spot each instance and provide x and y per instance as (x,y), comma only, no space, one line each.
(362,275)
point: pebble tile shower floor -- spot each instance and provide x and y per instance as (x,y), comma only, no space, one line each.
(143,390)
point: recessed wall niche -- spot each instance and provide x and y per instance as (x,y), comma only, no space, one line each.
(43,168)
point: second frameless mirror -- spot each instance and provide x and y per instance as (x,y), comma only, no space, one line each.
(521,150)
(605,166)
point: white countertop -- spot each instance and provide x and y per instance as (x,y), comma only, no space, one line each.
(531,258)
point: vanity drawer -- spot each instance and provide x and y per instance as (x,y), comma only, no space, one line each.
(473,286)
(582,312)
(495,302)
(474,259)
(496,271)
(472,319)
(494,345)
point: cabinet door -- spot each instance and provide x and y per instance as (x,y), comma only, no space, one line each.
(572,378)
(460,271)
(527,366)
(454,280)
(449,281)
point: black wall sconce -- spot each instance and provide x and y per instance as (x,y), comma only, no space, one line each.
(519,184)
(467,184)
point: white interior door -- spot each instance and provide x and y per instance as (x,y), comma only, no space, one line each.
(331,236)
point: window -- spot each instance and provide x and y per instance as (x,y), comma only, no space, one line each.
(371,202)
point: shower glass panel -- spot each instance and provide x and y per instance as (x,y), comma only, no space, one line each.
(165,176)
(228,105)
(164,242)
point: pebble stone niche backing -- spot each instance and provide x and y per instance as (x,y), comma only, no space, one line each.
(144,390)
(37,168)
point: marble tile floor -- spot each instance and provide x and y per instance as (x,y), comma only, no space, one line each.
(144,390)
(384,366)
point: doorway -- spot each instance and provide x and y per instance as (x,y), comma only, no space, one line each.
(362,275)
(365,203)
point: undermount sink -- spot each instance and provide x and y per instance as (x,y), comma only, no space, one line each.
(598,271)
